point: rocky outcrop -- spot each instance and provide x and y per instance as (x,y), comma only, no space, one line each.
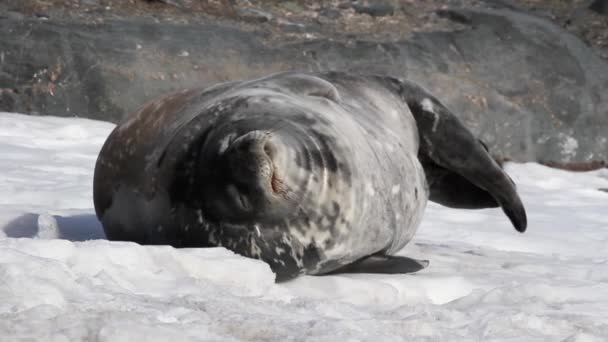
(600,6)
(527,87)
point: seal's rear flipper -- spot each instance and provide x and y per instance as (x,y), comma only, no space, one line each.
(385,264)
(447,144)
(453,190)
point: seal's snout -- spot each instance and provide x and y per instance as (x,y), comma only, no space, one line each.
(248,157)
(251,160)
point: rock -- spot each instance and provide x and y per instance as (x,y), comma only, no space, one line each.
(12,15)
(253,15)
(42,16)
(292,6)
(575,16)
(185,4)
(373,8)
(330,13)
(528,88)
(600,6)
(455,16)
(289,26)
(345,5)
(7,101)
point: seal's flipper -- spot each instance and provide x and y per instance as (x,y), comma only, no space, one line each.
(447,143)
(453,190)
(285,255)
(385,264)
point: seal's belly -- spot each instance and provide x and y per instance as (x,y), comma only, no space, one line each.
(386,209)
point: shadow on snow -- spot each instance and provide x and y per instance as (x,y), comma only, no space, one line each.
(78,227)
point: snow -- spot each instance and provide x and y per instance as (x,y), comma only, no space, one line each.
(61,281)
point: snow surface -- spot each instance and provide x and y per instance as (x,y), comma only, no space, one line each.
(60,281)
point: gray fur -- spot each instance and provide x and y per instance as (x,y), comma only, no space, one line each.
(308,172)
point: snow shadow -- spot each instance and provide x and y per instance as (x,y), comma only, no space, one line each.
(79,227)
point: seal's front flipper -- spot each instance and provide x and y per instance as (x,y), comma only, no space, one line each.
(385,264)
(447,144)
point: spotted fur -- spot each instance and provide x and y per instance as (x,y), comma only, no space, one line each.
(308,172)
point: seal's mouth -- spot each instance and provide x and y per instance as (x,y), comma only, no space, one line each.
(276,184)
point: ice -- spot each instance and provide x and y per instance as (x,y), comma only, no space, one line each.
(61,281)
(47,227)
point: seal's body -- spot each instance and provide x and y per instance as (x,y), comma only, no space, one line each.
(308,172)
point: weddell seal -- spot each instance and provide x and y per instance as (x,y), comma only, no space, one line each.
(310,172)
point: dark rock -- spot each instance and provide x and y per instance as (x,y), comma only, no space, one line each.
(7,100)
(373,8)
(600,6)
(525,86)
(455,16)
(42,16)
(578,17)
